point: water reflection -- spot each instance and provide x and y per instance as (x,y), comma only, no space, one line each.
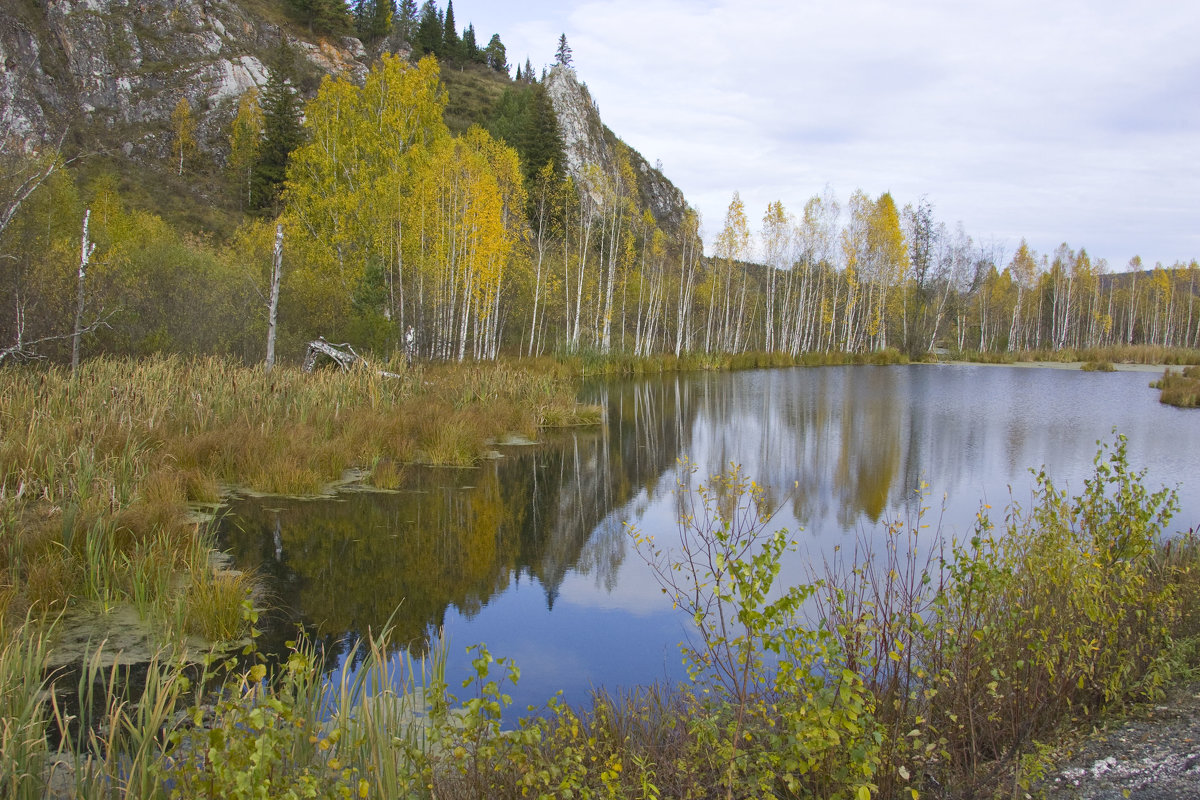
(530,552)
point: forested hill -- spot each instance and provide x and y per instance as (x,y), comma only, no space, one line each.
(159,158)
(107,77)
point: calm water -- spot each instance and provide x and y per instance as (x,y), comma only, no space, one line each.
(530,553)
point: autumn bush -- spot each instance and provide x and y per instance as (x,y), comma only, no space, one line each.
(979,649)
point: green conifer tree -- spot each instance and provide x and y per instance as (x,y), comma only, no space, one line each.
(373,18)
(541,141)
(281,131)
(497,59)
(323,16)
(451,46)
(405,20)
(470,47)
(562,57)
(429,30)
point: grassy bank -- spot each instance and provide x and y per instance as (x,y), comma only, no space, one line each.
(887,675)
(97,469)
(1116,354)
(624,364)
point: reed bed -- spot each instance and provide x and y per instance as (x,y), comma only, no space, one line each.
(1114,354)
(97,468)
(1180,388)
(593,363)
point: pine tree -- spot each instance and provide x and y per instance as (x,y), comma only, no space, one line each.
(429,30)
(373,18)
(540,141)
(562,57)
(451,46)
(496,57)
(281,131)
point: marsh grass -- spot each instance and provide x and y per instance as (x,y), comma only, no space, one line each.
(97,468)
(1180,388)
(592,363)
(1114,354)
(1098,366)
(23,715)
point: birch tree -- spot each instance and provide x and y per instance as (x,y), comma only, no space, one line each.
(184,127)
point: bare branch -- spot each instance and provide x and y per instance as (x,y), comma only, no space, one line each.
(22,350)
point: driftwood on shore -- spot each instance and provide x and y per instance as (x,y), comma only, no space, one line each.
(341,354)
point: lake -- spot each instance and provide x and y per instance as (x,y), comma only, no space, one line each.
(531,552)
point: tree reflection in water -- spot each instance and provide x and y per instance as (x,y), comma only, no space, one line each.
(840,448)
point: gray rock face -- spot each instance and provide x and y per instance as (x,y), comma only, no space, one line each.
(117,68)
(587,140)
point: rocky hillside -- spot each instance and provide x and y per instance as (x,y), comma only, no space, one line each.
(107,74)
(587,140)
(110,72)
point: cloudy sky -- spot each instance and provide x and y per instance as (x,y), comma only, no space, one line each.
(1052,120)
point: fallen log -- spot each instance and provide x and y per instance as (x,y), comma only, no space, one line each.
(344,358)
(341,354)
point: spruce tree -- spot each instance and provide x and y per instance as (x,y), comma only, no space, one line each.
(451,47)
(373,18)
(323,16)
(429,30)
(529,76)
(405,20)
(541,141)
(470,48)
(563,55)
(281,131)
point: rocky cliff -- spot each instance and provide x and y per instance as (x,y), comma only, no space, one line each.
(110,72)
(588,141)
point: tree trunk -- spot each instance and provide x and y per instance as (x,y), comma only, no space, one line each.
(273,312)
(86,249)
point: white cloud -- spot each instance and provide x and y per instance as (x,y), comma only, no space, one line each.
(1073,121)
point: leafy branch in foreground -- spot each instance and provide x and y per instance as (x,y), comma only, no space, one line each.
(780,712)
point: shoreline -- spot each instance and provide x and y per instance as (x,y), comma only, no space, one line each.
(1154,369)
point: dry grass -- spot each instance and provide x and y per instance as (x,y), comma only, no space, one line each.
(115,453)
(1180,388)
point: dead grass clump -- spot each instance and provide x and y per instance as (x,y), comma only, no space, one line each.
(213,604)
(387,474)
(1180,389)
(50,582)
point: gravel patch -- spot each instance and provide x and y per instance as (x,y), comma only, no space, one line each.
(1154,754)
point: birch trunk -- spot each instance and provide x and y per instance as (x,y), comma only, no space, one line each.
(86,248)
(273,309)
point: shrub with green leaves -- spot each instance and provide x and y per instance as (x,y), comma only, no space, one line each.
(777,711)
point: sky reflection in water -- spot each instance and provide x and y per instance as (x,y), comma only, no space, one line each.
(531,553)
